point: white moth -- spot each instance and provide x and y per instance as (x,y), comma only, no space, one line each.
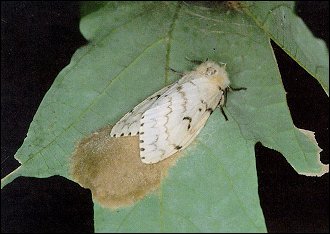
(170,119)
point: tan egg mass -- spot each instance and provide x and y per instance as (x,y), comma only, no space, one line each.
(112,169)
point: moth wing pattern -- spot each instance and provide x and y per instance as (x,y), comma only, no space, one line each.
(176,118)
(129,124)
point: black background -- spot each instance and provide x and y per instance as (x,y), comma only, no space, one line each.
(37,42)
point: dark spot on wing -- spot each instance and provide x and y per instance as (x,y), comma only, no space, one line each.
(178,147)
(141,133)
(141,141)
(129,133)
(122,134)
(143,157)
(141,124)
(142,149)
(200,109)
(191,82)
(203,102)
(189,119)
(210,110)
(114,135)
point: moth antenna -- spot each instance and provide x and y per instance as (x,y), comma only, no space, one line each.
(195,61)
(177,72)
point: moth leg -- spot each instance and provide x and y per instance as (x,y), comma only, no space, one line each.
(225,97)
(223,113)
(237,89)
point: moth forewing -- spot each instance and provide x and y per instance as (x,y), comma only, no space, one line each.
(169,120)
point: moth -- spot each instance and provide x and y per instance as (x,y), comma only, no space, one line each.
(170,119)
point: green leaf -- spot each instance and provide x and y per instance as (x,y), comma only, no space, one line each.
(287,30)
(132,45)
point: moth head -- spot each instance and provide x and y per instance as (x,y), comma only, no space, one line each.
(215,72)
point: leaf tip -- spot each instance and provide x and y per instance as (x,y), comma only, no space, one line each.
(323,168)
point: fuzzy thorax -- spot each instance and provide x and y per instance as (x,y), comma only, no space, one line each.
(214,72)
